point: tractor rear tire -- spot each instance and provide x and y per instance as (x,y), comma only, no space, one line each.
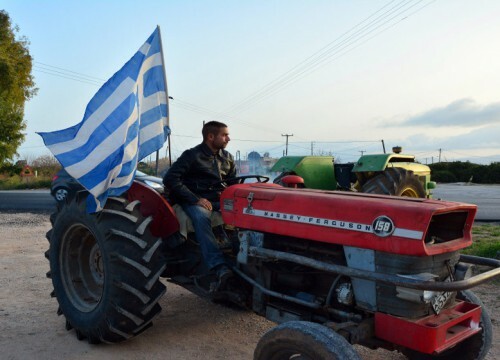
(397,182)
(105,268)
(474,348)
(303,340)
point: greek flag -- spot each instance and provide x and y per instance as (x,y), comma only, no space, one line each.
(126,120)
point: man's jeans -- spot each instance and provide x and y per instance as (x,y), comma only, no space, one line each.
(202,224)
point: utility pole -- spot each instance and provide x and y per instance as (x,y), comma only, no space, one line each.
(440,155)
(362,152)
(286,147)
(238,160)
(157,161)
(312,148)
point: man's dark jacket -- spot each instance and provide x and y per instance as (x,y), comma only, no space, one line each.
(191,176)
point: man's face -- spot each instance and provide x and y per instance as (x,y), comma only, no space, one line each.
(220,140)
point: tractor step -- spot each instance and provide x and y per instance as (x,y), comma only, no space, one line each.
(432,334)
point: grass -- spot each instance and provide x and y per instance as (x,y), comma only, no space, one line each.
(486,241)
(18,183)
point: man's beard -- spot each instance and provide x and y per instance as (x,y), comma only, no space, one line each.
(221,146)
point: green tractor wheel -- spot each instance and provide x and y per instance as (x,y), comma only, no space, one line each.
(397,182)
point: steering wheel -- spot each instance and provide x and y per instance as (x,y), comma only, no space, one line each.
(222,184)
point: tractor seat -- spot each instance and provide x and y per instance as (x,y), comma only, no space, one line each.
(292,181)
(185,224)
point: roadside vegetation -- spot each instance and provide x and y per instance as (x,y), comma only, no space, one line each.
(16,86)
(486,241)
(16,182)
(33,173)
(37,173)
(465,171)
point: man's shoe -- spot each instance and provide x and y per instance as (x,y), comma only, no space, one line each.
(223,273)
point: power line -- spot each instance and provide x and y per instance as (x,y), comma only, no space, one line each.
(308,148)
(321,57)
(245,140)
(87,79)
(285,83)
(202,110)
(306,61)
(66,76)
(31,147)
(473,156)
(330,59)
(307,66)
(345,141)
(93,78)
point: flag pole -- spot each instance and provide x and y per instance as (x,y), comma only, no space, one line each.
(168,107)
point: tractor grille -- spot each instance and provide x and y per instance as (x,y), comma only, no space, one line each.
(387,300)
(446,227)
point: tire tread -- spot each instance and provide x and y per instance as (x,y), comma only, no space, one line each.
(135,263)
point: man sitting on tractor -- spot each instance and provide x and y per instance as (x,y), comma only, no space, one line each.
(190,181)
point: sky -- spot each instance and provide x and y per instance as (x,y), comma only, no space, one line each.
(340,76)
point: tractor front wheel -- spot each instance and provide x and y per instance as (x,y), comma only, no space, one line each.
(474,348)
(397,182)
(105,268)
(303,340)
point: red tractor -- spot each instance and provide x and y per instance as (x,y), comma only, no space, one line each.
(332,268)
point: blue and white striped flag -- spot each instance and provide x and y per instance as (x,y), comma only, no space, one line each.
(125,121)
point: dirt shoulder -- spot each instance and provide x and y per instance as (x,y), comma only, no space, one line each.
(188,328)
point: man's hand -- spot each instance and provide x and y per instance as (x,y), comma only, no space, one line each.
(205,204)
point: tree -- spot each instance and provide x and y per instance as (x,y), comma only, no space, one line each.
(46,165)
(16,86)
(465,171)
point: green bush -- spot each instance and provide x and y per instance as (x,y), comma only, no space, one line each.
(16,183)
(465,171)
(10,169)
(443,176)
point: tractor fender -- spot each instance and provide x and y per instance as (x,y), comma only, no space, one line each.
(317,171)
(164,221)
(379,162)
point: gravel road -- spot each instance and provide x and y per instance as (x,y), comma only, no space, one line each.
(188,328)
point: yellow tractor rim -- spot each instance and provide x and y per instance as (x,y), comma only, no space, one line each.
(409,192)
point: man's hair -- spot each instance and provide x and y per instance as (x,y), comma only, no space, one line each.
(212,127)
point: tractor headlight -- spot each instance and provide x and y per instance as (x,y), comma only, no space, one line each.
(415,295)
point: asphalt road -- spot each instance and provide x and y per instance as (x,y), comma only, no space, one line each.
(486,197)
(26,200)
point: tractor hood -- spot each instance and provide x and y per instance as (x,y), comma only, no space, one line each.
(391,224)
(379,162)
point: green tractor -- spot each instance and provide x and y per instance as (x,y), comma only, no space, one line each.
(390,174)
